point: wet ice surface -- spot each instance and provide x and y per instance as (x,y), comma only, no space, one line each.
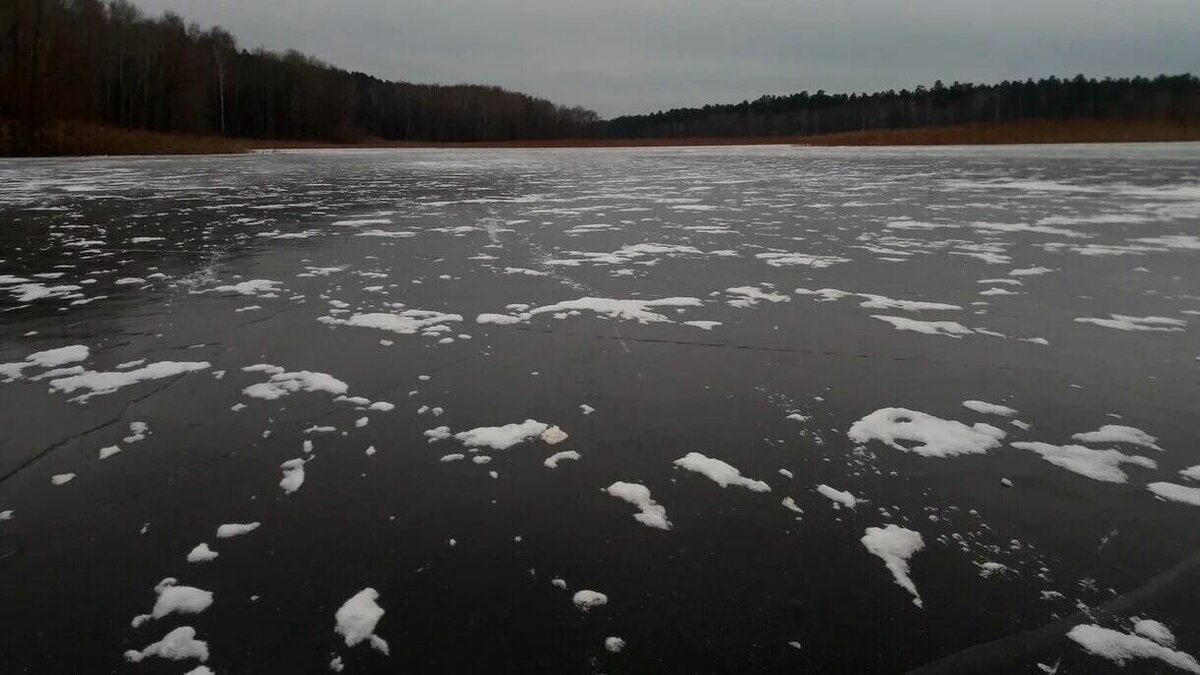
(494,387)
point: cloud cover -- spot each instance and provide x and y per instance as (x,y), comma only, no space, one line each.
(627,56)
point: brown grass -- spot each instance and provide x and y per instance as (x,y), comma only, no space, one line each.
(78,139)
(70,138)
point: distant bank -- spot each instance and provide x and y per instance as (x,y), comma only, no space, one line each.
(70,139)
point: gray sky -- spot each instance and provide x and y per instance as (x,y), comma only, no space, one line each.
(624,56)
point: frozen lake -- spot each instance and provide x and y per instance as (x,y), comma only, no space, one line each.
(649,410)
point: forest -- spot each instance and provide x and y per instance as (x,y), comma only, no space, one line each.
(110,65)
(1168,98)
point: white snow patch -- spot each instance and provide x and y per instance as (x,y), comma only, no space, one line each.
(1155,630)
(884,302)
(177,645)
(264,288)
(497,319)
(551,436)
(1101,465)
(137,432)
(1117,433)
(749,296)
(624,310)
(293,475)
(552,461)
(719,472)
(407,322)
(50,358)
(357,617)
(824,294)
(1121,647)
(986,408)
(1134,323)
(235,529)
(952,329)
(839,497)
(97,383)
(931,436)
(201,553)
(1176,493)
(895,545)
(585,600)
(652,514)
(282,383)
(173,599)
(501,438)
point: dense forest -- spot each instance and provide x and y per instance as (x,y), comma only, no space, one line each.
(1169,98)
(108,63)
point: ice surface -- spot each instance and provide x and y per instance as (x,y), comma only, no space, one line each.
(604,278)
(719,472)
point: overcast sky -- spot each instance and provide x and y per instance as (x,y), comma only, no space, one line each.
(623,56)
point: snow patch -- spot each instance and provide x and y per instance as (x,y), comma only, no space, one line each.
(652,514)
(719,472)
(895,545)
(931,436)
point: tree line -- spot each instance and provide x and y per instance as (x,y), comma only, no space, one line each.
(1172,98)
(109,63)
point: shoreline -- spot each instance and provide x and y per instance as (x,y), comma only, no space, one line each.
(78,140)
